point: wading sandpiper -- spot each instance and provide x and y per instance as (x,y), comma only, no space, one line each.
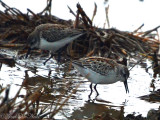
(51,37)
(100,70)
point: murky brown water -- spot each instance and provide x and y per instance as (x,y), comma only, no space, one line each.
(112,98)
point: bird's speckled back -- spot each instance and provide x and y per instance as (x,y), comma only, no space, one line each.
(55,32)
(102,65)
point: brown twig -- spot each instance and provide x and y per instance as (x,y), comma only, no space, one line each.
(48,7)
(149,31)
(86,20)
(138,28)
(71,11)
(94,12)
(30,11)
(107,18)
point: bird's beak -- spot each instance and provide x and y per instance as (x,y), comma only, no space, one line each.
(28,52)
(126,85)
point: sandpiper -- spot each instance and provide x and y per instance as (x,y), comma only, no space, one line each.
(100,70)
(51,37)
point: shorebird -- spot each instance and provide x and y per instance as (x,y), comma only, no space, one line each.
(51,37)
(100,70)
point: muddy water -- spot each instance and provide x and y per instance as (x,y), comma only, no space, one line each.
(112,98)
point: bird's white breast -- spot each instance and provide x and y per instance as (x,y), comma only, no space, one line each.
(54,46)
(97,78)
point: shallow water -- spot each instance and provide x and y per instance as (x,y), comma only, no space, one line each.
(112,98)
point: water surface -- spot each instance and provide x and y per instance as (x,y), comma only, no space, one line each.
(112,98)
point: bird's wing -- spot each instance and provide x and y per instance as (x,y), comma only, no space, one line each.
(97,64)
(53,34)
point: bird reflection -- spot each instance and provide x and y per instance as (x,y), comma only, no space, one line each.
(98,111)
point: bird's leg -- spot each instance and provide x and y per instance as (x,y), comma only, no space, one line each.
(96,90)
(48,59)
(59,53)
(59,57)
(89,96)
(28,52)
